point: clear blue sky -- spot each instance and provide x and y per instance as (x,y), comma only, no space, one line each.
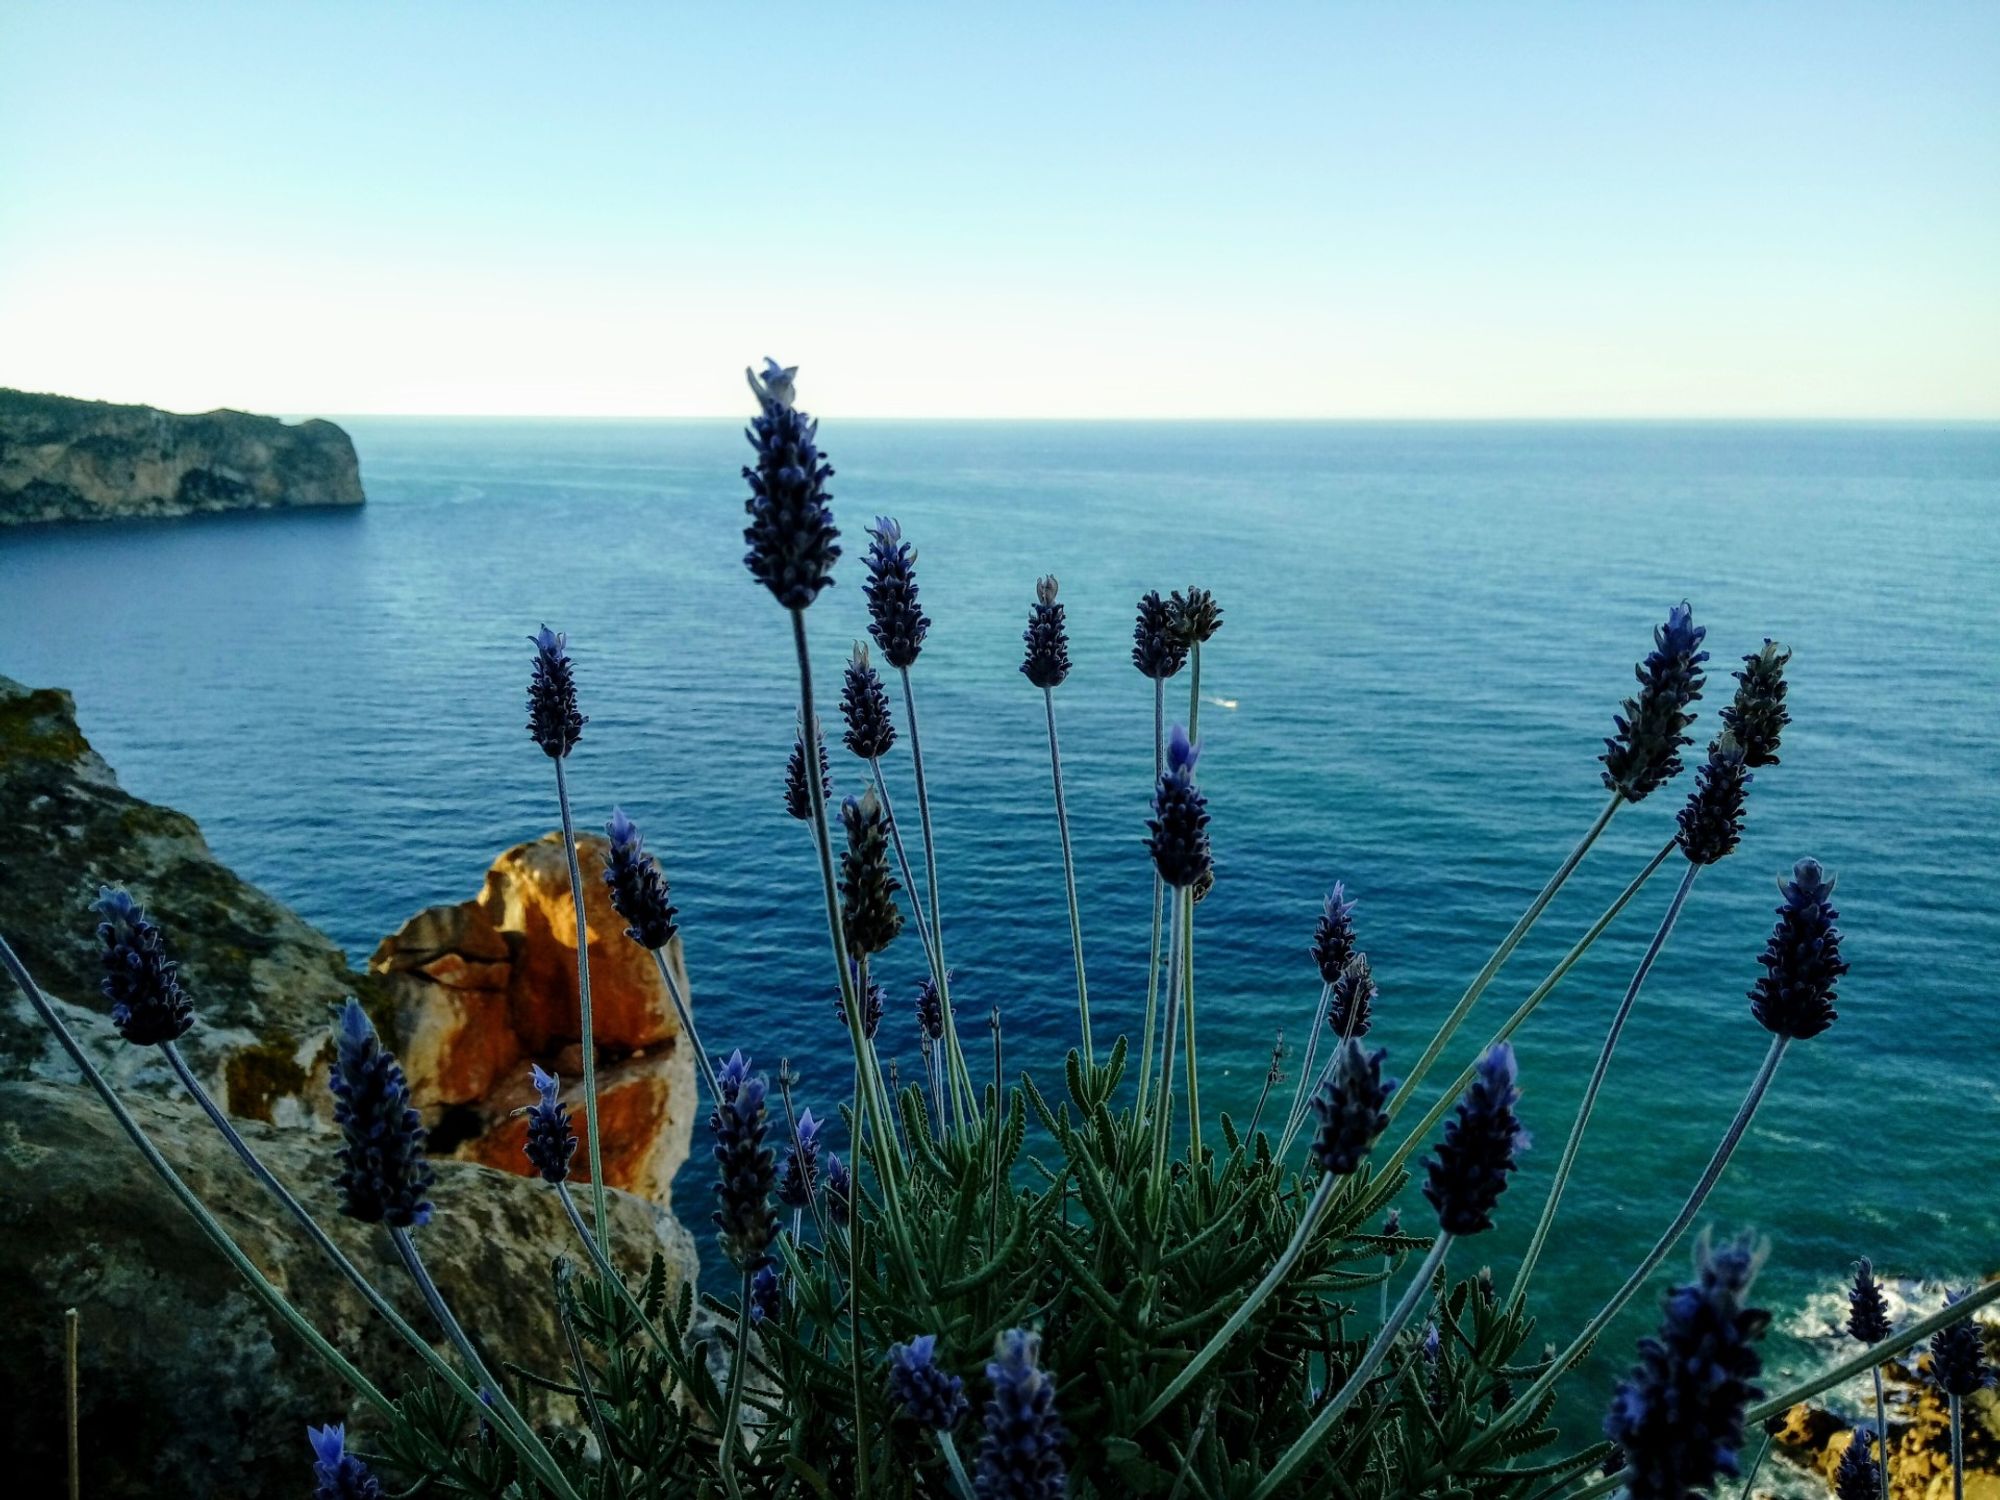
(1786,209)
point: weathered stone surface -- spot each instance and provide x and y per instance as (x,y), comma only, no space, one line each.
(188,1387)
(264,982)
(63,459)
(1919,1448)
(482,988)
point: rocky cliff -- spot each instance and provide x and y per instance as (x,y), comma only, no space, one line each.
(67,460)
(188,1387)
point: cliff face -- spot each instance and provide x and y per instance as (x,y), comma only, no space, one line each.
(189,1386)
(67,460)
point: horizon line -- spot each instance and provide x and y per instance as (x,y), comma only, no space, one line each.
(1598,419)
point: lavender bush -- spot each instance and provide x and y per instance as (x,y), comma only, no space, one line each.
(1072,1281)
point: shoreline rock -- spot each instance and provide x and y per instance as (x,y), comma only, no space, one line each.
(65,459)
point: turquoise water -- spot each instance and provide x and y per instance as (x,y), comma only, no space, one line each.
(1427,629)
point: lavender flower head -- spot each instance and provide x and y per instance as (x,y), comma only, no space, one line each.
(550,1143)
(868,910)
(746,1172)
(1179,824)
(766,1294)
(896,621)
(1020,1456)
(1867,1309)
(383,1173)
(798,793)
(865,707)
(1858,1477)
(1333,936)
(1195,617)
(930,1008)
(1651,727)
(1470,1169)
(1712,822)
(792,538)
(148,1005)
(638,889)
(795,1188)
(1157,650)
(873,1004)
(337,1474)
(1679,1416)
(1350,1009)
(929,1396)
(1046,663)
(839,1190)
(1794,996)
(1759,715)
(553,721)
(1958,1358)
(1349,1107)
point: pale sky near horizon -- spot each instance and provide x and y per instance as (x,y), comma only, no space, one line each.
(1416,210)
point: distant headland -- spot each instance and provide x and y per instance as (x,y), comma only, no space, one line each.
(62,459)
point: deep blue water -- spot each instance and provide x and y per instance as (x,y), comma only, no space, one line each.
(1427,629)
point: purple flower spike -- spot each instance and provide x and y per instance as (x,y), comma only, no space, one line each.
(550,1143)
(1020,1457)
(1652,727)
(795,1188)
(1867,1309)
(1794,996)
(1157,649)
(1046,663)
(1179,824)
(792,539)
(142,983)
(638,889)
(1470,1169)
(337,1474)
(1350,1109)
(929,1396)
(897,622)
(864,705)
(553,721)
(1333,937)
(383,1175)
(798,793)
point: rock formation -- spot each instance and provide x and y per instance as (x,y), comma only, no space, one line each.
(481,989)
(1919,1448)
(67,460)
(188,1387)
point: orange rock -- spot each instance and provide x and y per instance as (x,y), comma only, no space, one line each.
(645,1134)
(527,898)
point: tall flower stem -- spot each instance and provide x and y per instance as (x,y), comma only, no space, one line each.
(1957,1449)
(868,1097)
(1518,1294)
(956,1464)
(1882,1430)
(1194,691)
(608,1272)
(1259,1295)
(210,1227)
(903,863)
(1527,1007)
(1500,956)
(1301,1095)
(1756,1465)
(1868,1359)
(1069,879)
(490,1389)
(733,1401)
(1159,902)
(951,1047)
(1187,1004)
(1711,1174)
(1322,1424)
(1163,1101)
(599,1211)
(686,1014)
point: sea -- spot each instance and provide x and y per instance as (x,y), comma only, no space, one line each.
(1427,630)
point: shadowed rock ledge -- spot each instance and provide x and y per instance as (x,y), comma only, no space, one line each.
(62,459)
(188,1386)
